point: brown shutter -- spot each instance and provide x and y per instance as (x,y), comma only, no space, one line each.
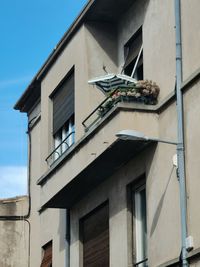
(132,48)
(47,258)
(95,230)
(63,103)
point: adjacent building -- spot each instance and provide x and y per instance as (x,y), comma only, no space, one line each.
(97,200)
(14,232)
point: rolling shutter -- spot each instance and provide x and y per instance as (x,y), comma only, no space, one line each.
(96,238)
(63,103)
(47,258)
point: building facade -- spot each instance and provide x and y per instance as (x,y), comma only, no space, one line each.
(97,200)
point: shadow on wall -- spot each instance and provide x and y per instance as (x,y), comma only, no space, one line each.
(111,33)
(62,229)
(160,205)
(105,34)
(113,189)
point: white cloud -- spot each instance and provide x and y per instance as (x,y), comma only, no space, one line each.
(17,81)
(13,181)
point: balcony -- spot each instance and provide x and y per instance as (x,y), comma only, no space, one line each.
(140,92)
(98,154)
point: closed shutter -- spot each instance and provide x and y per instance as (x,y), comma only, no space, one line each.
(96,238)
(47,258)
(63,103)
(132,48)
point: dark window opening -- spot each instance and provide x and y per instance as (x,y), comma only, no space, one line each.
(134,56)
(138,75)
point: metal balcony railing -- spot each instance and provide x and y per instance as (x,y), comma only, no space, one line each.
(144,92)
(100,111)
(61,148)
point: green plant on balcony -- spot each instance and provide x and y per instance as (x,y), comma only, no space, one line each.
(144,91)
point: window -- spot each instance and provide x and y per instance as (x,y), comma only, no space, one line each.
(94,230)
(63,115)
(47,255)
(139,224)
(64,138)
(134,56)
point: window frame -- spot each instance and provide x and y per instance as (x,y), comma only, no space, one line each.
(64,138)
(58,146)
(137,205)
(132,188)
(136,62)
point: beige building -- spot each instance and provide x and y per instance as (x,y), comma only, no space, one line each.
(97,200)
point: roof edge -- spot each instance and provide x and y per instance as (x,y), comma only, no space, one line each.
(54,54)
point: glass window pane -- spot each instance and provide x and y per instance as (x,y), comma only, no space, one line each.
(64,136)
(57,142)
(140,225)
(70,132)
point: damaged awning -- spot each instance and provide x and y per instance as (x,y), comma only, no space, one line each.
(112,81)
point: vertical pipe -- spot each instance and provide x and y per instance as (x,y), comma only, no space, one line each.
(180,146)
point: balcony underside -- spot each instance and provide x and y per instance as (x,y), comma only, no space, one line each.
(101,10)
(95,173)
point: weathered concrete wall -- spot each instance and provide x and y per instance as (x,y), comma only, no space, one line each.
(128,24)
(14,235)
(192,133)
(73,55)
(35,154)
(88,52)
(190,36)
(50,224)
(156,18)
(115,190)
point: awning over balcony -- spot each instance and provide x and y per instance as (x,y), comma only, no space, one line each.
(119,153)
(112,81)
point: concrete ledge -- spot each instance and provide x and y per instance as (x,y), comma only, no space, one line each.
(16,206)
(191,79)
(192,255)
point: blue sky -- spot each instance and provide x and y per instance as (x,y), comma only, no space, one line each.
(29,32)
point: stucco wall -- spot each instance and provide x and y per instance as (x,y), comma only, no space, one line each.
(163,245)
(14,234)
(73,55)
(50,224)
